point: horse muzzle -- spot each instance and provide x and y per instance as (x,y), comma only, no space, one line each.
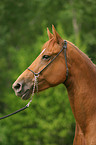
(22,90)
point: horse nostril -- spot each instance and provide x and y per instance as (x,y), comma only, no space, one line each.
(17,87)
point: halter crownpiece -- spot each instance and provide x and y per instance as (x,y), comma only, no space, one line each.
(65,47)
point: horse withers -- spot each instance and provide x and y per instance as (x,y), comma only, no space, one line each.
(50,67)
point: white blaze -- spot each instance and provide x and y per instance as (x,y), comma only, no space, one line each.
(43,51)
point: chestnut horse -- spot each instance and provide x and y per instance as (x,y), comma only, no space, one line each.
(80,82)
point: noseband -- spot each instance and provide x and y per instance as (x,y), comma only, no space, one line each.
(37,74)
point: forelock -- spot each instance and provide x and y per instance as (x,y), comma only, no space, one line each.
(49,44)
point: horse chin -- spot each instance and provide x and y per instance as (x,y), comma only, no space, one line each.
(26,95)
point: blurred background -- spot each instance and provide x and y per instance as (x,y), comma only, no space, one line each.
(23,23)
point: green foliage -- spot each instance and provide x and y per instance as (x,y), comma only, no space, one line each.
(49,120)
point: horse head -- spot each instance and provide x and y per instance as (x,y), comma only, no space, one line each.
(50,76)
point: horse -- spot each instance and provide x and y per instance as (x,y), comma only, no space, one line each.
(60,61)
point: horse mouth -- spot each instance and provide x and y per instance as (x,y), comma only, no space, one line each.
(26,95)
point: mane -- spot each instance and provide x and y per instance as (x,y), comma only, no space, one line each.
(83,55)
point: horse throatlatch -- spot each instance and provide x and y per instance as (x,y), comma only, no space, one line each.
(36,75)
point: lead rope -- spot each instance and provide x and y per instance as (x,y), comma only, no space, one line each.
(35,85)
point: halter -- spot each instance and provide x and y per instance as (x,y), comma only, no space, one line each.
(36,75)
(64,47)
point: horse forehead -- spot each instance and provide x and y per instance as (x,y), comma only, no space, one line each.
(50,43)
(49,46)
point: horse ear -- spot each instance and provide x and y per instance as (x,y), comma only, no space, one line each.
(49,34)
(57,37)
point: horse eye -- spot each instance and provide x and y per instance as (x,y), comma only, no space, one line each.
(45,57)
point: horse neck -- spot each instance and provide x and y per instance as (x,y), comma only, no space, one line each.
(81,69)
(80,84)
